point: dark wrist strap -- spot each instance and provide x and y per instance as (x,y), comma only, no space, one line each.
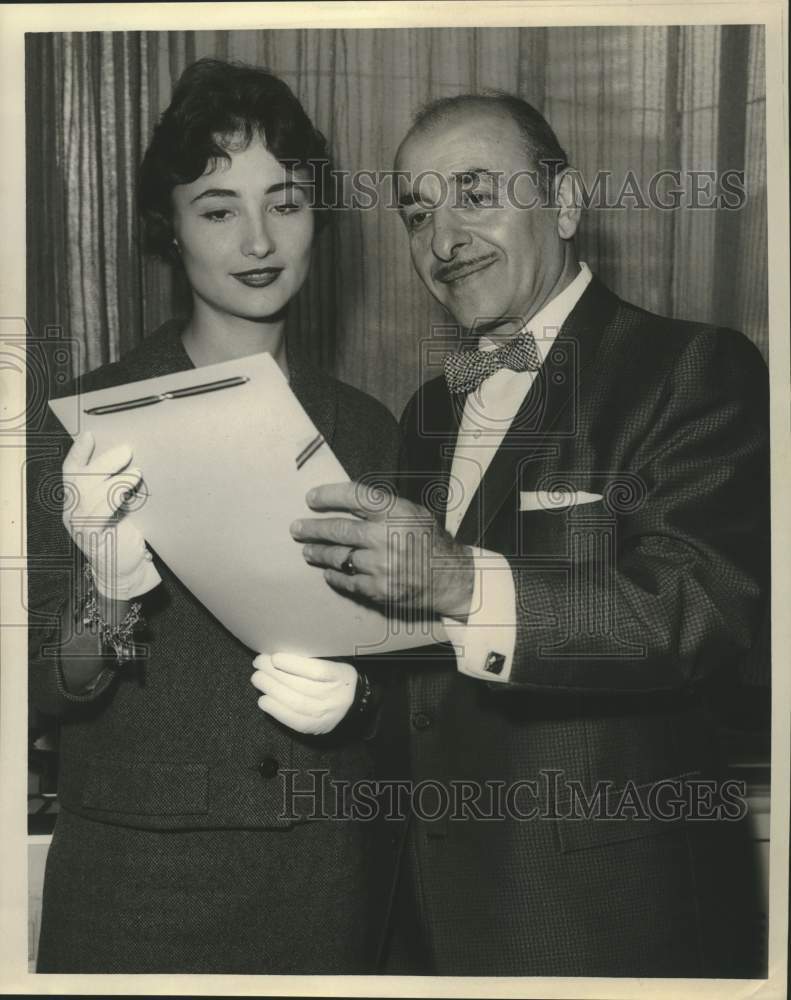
(362,695)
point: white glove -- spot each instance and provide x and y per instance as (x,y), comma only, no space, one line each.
(308,695)
(96,490)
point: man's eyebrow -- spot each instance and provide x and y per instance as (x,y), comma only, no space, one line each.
(474,172)
(410,198)
(406,199)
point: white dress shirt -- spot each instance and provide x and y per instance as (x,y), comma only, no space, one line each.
(484,643)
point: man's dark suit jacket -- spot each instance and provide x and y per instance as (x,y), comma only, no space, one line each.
(632,612)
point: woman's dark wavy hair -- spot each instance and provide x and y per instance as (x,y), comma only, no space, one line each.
(217,106)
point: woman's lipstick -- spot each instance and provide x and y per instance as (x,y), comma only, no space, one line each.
(258,277)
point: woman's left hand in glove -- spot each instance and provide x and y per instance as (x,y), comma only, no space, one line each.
(309,695)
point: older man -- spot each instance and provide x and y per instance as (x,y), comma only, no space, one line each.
(600,560)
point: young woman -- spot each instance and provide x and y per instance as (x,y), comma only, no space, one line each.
(173,851)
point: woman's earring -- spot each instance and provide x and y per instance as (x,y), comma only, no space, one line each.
(175,243)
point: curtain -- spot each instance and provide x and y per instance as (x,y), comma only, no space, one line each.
(620,99)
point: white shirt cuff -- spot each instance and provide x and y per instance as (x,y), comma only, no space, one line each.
(484,643)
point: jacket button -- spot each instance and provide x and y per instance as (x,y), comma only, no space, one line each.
(421,721)
(268,767)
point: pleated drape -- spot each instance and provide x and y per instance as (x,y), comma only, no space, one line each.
(621,99)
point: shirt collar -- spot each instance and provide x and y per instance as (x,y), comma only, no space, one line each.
(548,320)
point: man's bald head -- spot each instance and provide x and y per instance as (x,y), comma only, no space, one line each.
(543,152)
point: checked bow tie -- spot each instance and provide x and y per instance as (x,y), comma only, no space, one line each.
(465,370)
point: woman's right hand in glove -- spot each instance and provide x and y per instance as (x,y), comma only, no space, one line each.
(96,489)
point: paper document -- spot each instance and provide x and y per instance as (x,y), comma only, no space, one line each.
(227,455)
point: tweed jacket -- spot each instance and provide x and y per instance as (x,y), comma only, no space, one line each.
(632,611)
(178,741)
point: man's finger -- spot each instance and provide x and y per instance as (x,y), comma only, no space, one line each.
(336,496)
(326,556)
(334,556)
(353,586)
(371,500)
(334,530)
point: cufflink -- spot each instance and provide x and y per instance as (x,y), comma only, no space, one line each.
(494,663)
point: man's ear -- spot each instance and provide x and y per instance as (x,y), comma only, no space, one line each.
(569,201)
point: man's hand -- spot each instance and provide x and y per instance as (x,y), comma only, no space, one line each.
(308,695)
(96,490)
(400,556)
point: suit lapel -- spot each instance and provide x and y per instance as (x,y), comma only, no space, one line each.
(447,445)
(431,432)
(316,392)
(528,447)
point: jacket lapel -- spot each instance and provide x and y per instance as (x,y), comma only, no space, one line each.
(528,447)
(430,439)
(316,392)
(447,445)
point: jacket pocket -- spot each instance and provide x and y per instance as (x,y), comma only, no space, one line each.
(151,788)
(557,531)
(651,809)
(583,834)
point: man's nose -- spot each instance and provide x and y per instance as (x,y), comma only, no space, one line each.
(257,240)
(449,234)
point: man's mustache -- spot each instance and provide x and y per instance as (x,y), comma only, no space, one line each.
(455,269)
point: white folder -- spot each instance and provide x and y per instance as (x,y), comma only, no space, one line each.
(225,473)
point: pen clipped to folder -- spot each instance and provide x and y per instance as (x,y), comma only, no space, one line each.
(190,390)
(307,452)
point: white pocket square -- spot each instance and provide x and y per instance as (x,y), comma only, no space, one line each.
(557,500)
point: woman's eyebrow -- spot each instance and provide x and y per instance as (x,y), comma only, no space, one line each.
(215,193)
(230,193)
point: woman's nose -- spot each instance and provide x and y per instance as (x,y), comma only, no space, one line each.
(257,241)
